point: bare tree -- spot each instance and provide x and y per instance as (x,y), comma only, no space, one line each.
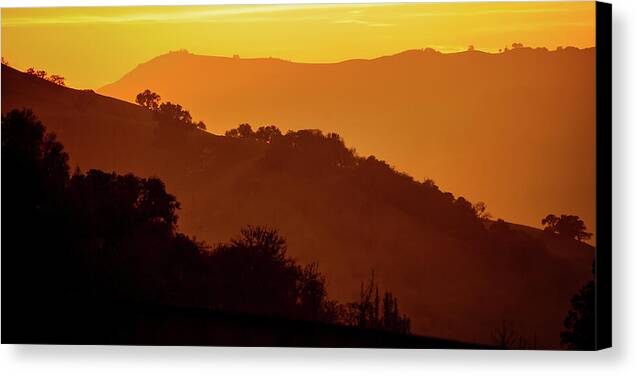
(481,211)
(506,338)
(369,312)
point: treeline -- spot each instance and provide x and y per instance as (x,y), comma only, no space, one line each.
(40,73)
(56,79)
(328,154)
(78,238)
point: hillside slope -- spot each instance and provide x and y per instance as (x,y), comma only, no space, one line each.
(473,121)
(453,278)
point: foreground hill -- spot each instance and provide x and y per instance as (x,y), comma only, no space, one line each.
(455,278)
(475,122)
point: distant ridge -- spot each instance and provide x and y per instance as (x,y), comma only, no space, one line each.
(420,52)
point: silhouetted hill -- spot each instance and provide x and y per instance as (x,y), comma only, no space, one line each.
(455,278)
(558,246)
(475,122)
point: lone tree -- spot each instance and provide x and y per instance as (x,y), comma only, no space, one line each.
(148,99)
(166,111)
(567,225)
(481,211)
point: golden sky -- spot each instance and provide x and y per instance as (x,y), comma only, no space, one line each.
(95,46)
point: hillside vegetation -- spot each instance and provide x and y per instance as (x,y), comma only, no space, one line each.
(456,277)
(475,122)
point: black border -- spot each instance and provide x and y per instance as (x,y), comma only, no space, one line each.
(603,121)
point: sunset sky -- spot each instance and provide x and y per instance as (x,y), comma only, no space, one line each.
(92,47)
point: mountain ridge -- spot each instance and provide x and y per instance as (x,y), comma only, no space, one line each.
(420,52)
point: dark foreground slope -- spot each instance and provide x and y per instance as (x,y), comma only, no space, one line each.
(473,121)
(177,326)
(455,279)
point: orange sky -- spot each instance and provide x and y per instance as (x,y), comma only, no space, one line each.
(95,46)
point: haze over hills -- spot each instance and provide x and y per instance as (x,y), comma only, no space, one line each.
(352,215)
(474,122)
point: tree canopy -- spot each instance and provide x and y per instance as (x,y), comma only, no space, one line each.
(167,112)
(580,322)
(327,153)
(566,225)
(148,99)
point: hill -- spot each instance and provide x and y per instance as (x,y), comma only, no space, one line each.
(455,278)
(475,122)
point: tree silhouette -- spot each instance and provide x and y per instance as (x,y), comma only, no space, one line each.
(579,325)
(54,78)
(506,338)
(101,237)
(370,312)
(579,333)
(480,209)
(167,112)
(267,134)
(35,174)
(148,99)
(58,80)
(174,112)
(242,131)
(252,273)
(566,225)
(26,147)
(37,73)
(312,296)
